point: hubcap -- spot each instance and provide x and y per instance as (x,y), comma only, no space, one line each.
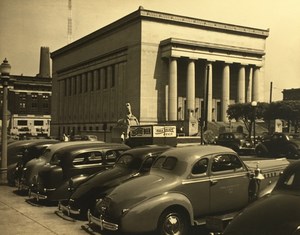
(172,225)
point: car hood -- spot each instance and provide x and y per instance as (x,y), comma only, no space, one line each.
(102,181)
(275,214)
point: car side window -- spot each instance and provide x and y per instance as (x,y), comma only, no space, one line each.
(88,158)
(111,156)
(200,167)
(95,157)
(225,162)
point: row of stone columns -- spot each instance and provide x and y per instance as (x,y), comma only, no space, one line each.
(252,87)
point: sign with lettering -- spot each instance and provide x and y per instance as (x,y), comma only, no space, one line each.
(152,131)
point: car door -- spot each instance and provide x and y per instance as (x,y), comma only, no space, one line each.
(197,187)
(229,182)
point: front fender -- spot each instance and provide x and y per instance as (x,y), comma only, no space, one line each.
(144,216)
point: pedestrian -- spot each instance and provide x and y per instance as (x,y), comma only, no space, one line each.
(123,137)
(65,137)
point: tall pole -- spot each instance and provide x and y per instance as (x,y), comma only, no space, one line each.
(270,101)
(206,99)
(4,135)
(5,69)
(271,91)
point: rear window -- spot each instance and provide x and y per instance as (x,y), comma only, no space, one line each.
(291,182)
(167,163)
(239,135)
(129,162)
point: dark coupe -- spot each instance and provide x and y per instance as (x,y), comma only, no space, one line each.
(30,149)
(279,144)
(33,166)
(131,164)
(275,214)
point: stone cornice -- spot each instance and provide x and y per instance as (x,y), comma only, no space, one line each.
(143,14)
(209,46)
(213,25)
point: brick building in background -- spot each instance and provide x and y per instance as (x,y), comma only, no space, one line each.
(29,101)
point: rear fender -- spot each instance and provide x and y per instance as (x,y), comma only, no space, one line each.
(136,219)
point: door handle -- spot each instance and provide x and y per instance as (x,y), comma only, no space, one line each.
(213,182)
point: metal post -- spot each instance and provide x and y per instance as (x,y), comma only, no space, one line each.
(3,168)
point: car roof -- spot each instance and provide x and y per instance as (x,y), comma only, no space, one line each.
(197,150)
(91,147)
(146,150)
(30,142)
(60,145)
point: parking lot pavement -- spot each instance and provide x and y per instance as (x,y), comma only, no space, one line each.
(20,217)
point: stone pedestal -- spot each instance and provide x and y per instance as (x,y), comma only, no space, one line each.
(191,126)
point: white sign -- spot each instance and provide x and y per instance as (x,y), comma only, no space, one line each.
(164,131)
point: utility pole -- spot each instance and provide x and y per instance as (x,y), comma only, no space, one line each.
(270,101)
(271,91)
(70,21)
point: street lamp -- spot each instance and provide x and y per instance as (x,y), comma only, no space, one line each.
(254,105)
(5,71)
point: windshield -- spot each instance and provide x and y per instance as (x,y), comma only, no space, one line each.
(239,135)
(129,162)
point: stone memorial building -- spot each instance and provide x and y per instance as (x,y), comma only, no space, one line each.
(163,64)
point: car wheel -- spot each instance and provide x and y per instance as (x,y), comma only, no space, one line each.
(261,151)
(173,223)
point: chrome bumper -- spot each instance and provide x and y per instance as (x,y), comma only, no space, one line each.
(36,195)
(21,186)
(67,209)
(102,223)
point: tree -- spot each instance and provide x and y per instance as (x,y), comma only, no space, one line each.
(288,110)
(247,113)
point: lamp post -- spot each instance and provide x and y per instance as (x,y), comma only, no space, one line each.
(5,71)
(254,105)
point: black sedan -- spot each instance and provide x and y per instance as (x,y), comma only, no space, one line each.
(275,214)
(132,163)
(72,161)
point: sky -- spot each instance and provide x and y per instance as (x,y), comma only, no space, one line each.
(27,25)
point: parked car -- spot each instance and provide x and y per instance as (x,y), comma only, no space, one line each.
(278,145)
(236,141)
(185,185)
(131,164)
(33,166)
(276,213)
(73,161)
(25,151)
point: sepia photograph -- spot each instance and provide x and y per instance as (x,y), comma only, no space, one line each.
(156,117)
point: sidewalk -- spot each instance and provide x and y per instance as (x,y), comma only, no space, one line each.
(19,217)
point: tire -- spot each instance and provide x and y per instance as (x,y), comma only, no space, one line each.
(173,222)
(261,151)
